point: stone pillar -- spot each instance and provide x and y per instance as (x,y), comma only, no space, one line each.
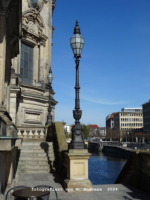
(77,170)
(13,104)
(2,53)
(35,64)
(41,68)
(15,64)
(48,32)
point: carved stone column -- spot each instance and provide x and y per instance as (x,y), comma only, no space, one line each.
(2,53)
(41,68)
(36,64)
(48,32)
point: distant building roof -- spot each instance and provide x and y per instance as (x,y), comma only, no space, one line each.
(94,126)
(131,110)
(112,115)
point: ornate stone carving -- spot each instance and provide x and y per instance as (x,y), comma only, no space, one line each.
(52,30)
(32,25)
(53,5)
(37,4)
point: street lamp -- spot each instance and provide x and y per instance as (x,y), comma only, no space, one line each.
(49,116)
(76,43)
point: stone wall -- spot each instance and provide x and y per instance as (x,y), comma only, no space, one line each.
(137,171)
(93,147)
(7,169)
(55,134)
(116,150)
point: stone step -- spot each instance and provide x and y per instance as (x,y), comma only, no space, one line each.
(31,171)
(37,144)
(27,166)
(51,155)
(35,148)
(32,158)
(33,155)
(32,151)
(38,159)
(35,162)
(52,159)
(31,147)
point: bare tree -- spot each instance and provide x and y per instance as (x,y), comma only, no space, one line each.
(109,133)
(117,134)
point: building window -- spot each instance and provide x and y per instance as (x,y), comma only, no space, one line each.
(26,64)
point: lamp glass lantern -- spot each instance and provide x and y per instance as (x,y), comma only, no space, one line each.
(50,77)
(77,41)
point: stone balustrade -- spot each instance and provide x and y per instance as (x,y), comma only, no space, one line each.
(31,132)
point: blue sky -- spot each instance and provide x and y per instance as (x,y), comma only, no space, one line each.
(114,70)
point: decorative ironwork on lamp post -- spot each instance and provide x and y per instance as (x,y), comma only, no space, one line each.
(77,42)
(49,116)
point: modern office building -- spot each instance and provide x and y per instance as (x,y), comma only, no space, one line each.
(146,117)
(128,119)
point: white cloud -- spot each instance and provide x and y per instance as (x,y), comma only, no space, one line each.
(102,101)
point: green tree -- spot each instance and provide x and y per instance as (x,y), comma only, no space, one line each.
(86,131)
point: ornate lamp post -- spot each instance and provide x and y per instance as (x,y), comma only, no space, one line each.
(49,116)
(77,42)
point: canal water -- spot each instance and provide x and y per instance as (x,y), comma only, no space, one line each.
(104,168)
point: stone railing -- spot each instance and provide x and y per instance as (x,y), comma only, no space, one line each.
(31,133)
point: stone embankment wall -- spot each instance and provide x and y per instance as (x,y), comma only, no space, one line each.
(116,150)
(93,147)
(136,171)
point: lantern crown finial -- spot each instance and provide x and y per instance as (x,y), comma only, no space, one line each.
(77,28)
(77,23)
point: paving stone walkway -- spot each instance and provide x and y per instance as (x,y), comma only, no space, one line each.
(123,192)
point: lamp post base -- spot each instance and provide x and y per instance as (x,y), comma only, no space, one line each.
(77,141)
(75,145)
(77,171)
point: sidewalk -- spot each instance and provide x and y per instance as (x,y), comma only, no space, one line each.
(122,193)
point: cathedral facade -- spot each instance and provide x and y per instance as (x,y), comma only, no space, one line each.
(29,92)
(25,60)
